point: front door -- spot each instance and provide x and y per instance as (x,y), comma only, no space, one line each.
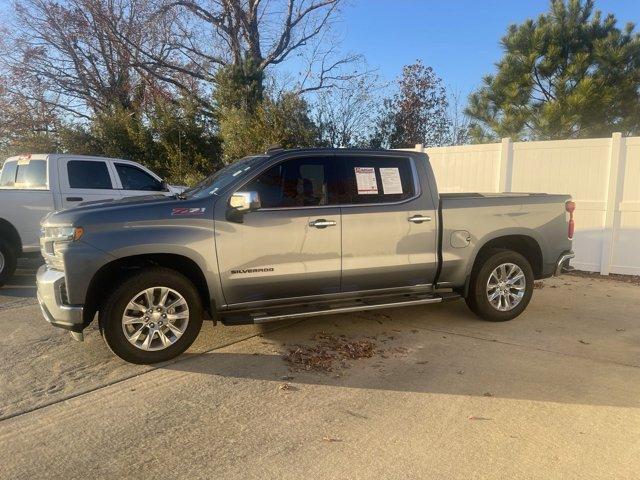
(290,246)
(134,181)
(389,228)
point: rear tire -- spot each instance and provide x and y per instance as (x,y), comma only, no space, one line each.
(152,317)
(501,286)
(8,261)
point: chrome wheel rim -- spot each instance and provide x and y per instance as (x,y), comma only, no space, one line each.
(1,262)
(506,287)
(155,318)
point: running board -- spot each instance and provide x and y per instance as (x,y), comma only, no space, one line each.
(265,318)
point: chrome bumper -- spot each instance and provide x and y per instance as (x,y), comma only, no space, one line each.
(50,283)
(563,263)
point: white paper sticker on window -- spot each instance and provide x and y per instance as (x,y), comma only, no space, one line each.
(391,183)
(366,180)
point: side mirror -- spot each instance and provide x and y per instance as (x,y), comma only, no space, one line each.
(244,202)
(164,186)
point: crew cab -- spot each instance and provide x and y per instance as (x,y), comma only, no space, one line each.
(33,185)
(291,234)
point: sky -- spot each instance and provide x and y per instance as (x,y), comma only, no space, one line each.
(458,38)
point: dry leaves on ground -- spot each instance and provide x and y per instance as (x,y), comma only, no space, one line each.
(330,353)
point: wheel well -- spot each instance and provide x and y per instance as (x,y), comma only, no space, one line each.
(9,232)
(523,244)
(115,272)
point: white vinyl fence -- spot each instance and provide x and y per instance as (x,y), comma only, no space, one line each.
(601,174)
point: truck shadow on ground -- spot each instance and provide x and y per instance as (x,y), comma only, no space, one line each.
(416,352)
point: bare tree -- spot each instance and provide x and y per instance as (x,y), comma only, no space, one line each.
(459,124)
(249,36)
(69,50)
(345,115)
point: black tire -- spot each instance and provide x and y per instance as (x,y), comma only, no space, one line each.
(477,298)
(111,313)
(8,261)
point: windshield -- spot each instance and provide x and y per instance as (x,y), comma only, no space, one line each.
(219,180)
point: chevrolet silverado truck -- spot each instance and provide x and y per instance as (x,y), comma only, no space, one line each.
(292,234)
(33,185)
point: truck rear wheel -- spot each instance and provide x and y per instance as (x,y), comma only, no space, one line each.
(8,261)
(501,286)
(152,317)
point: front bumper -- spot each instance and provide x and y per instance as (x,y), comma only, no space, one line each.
(50,284)
(563,263)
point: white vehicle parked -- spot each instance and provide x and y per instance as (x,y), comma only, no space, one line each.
(33,185)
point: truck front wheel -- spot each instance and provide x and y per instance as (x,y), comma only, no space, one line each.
(8,261)
(152,317)
(501,286)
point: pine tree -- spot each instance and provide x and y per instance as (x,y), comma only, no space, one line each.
(572,73)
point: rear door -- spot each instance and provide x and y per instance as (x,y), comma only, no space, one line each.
(134,180)
(86,180)
(389,225)
(290,247)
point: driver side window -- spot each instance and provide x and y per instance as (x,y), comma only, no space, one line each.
(300,182)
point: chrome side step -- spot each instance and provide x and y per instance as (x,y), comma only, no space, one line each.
(262,318)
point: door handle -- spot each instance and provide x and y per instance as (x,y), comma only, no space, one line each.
(322,223)
(419,219)
(74,199)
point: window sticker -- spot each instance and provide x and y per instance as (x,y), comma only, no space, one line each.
(391,183)
(366,180)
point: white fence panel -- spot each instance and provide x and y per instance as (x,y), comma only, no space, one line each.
(601,174)
(625,257)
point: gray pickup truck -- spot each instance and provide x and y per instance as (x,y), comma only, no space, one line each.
(291,234)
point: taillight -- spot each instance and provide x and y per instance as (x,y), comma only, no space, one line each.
(570,207)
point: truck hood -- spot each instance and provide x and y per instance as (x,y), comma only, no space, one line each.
(131,209)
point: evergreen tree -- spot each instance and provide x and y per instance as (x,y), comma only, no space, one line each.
(571,73)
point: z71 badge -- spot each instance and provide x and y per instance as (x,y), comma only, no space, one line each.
(188,211)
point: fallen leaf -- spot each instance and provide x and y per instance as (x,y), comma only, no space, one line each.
(584,342)
(619,329)
(286,386)
(487,394)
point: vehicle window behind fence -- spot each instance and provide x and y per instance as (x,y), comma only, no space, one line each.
(89,174)
(133,178)
(300,182)
(25,174)
(378,179)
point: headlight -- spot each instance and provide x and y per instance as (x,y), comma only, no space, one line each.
(63,233)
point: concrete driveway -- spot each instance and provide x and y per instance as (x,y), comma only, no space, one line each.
(552,394)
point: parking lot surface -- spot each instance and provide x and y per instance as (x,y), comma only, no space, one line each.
(554,393)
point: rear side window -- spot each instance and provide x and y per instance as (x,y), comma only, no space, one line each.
(89,174)
(8,177)
(25,174)
(300,182)
(133,178)
(378,179)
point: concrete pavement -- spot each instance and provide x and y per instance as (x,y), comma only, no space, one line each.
(552,394)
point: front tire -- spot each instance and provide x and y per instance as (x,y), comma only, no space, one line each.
(501,286)
(152,317)
(8,261)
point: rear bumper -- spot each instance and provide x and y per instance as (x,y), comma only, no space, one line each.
(55,311)
(563,263)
